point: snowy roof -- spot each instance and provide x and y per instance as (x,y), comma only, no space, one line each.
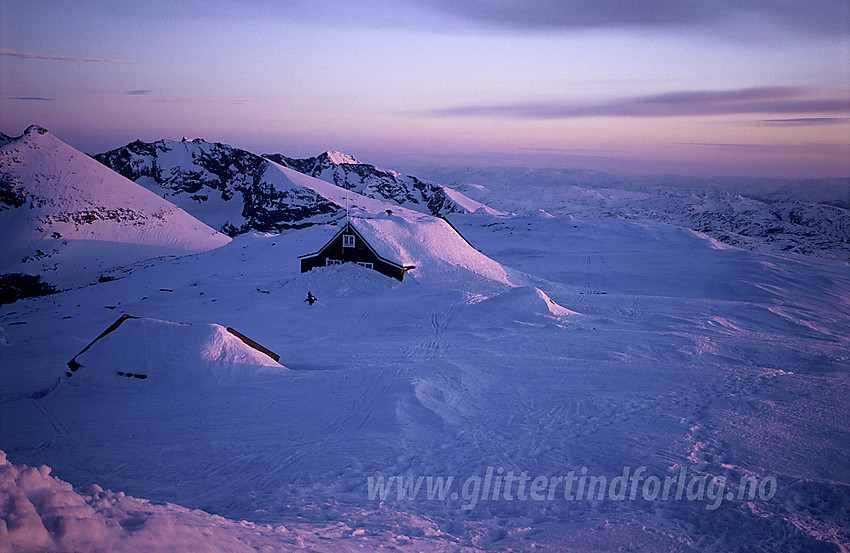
(162,352)
(429,244)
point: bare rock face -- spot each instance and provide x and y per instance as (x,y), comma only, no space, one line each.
(226,187)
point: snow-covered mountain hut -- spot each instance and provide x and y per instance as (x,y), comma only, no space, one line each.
(403,241)
(350,245)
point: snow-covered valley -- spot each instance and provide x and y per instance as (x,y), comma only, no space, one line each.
(579,341)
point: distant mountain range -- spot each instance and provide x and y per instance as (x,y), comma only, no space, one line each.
(58,205)
(811,217)
(60,208)
(236,191)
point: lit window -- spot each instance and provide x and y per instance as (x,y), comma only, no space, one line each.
(347,240)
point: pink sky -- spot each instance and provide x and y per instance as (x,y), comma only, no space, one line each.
(727,88)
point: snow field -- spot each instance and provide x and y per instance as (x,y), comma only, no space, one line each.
(626,343)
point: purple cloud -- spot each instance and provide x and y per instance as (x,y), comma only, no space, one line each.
(776,100)
(805,121)
(830,16)
(33,98)
(818,16)
(774,148)
(24,55)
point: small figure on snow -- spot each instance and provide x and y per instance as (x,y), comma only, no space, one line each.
(311,299)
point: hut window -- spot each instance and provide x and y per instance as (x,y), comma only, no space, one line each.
(330,261)
(366,264)
(347,240)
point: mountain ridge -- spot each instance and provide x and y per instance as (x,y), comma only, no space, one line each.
(57,203)
(225,186)
(412,192)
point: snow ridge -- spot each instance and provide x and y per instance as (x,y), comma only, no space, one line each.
(346,172)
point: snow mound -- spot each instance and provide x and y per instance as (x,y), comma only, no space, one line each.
(522,302)
(30,497)
(431,245)
(150,352)
(39,512)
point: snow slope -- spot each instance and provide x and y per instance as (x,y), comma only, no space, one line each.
(639,344)
(59,207)
(617,342)
(347,172)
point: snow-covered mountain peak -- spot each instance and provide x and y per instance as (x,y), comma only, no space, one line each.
(196,140)
(57,203)
(234,191)
(228,188)
(33,137)
(338,158)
